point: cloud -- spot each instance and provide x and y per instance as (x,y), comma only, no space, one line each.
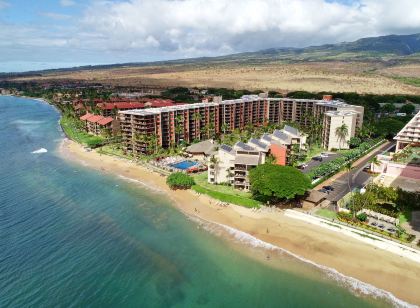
(144,30)
(206,27)
(67,3)
(4,4)
(55,16)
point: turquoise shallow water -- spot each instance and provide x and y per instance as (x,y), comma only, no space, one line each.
(70,236)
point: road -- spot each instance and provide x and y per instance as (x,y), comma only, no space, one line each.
(358,178)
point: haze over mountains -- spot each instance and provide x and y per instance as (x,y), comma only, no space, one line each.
(386,64)
(382,48)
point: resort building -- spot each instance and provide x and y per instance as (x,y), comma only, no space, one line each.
(410,134)
(173,125)
(402,168)
(97,124)
(111,108)
(332,121)
(232,164)
(203,149)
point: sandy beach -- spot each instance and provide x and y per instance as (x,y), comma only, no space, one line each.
(345,254)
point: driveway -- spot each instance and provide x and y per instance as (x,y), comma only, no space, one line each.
(358,177)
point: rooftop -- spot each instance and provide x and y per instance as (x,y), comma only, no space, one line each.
(341,113)
(204,147)
(291,131)
(104,121)
(259,144)
(245,159)
(245,98)
(242,146)
(282,136)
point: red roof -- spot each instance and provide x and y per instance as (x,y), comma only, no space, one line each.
(94,119)
(121,105)
(79,106)
(86,116)
(104,121)
(146,103)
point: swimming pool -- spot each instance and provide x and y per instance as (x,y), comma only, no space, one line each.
(184,165)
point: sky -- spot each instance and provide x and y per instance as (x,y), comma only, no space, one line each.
(39,34)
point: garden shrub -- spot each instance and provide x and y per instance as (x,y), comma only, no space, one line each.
(179,180)
(362,216)
(335,164)
(345,216)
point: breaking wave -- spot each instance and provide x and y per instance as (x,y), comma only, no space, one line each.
(40,151)
(147,186)
(355,285)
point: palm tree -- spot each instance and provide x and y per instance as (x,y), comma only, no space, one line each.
(341,132)
(230,174)
(178,127)
(152,142)
(214,160)
(140,138)
(224,128)
(197,118)
(375,162)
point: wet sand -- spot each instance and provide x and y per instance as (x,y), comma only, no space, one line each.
(347,255)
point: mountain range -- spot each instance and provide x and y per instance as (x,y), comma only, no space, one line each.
(381,48)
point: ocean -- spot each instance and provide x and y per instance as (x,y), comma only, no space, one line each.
(73,236)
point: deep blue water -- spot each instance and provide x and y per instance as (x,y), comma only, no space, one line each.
(70,236)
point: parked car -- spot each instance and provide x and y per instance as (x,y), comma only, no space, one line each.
(318,158)
(366,168)
(324,154)
(302,166)
(374,224)
(391,230)
(381,226)
(329,188)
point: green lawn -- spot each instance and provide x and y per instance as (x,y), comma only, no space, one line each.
(404,217)
(242,201)
(326,213)
(113,150)
(72,130)
(314,150)
(223,193)
(201,179)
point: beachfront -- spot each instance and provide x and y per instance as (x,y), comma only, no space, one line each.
(347,255)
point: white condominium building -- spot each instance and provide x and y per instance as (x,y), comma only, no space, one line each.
(410,134)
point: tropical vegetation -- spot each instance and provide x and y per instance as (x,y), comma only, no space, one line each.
(179,180)
(336,164)
(74,129)
(342,132)
(393,202)
(274,183)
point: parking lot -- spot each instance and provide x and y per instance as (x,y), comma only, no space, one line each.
(382,225)
(314,163)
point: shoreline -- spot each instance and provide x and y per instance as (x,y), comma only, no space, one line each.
(361,263)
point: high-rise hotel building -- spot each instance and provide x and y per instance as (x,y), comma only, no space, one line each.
(169,126)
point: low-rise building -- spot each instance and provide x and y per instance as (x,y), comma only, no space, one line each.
(202,149)
(232,164)
(97,124)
